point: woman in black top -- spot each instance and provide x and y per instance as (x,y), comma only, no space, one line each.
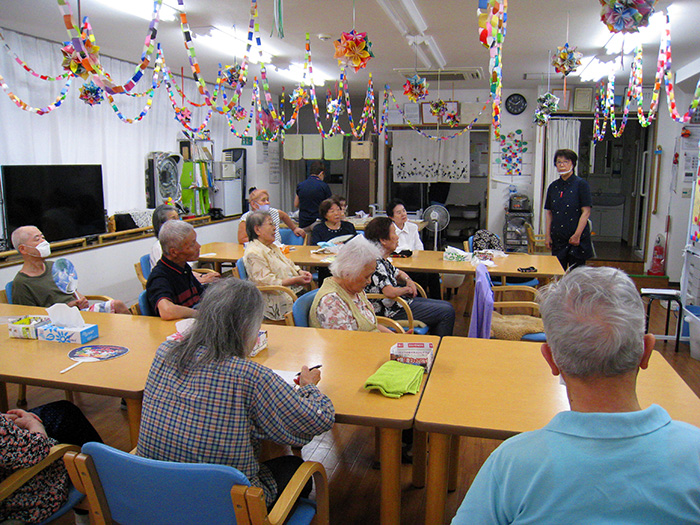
(331,227)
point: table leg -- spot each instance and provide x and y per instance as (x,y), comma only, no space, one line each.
(390,457)
(454,464)
(217,267)
(436,491)
(4,407)
(420,441)
(133,411)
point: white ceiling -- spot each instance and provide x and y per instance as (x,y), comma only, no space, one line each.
(534,28)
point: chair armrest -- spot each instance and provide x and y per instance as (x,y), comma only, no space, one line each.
(139,274)
(290,495)
(402,302)
(390,323)
(421,291)
(278,288)
(518,304)
(289,319)
(99,298)
(18,478)
(203,270)
(515,288)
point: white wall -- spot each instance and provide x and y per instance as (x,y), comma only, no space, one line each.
(109,270)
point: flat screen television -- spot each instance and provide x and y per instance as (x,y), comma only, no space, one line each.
(64,201)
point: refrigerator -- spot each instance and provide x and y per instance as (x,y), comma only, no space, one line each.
(228,192)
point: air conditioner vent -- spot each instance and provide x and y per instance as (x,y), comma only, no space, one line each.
(456,74)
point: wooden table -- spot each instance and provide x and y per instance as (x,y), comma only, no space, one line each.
(420,261)
(496,389)
(33,362)
(348,359)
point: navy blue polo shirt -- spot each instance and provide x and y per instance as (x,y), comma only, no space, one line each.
(565,198)
(173,282)
(312,192)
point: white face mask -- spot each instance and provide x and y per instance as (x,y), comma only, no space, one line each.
(44,249)
(264,207)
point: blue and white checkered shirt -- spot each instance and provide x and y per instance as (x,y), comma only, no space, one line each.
(217,413)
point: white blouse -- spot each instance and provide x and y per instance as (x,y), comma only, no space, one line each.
(409,239)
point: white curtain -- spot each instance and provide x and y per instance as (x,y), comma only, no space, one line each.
(561,134)
(418,159)
(76,133)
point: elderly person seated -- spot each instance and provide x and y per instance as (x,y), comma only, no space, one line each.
(26,438)
(341,303)
(329,228)
(172,289)
(267,265)
(409,240)
(606,460)
(36,282)
(161,215)
(259,200)
(438,315)
(206,402)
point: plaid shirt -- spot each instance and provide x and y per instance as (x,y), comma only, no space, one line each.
(217,413)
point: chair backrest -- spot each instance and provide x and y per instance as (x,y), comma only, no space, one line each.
(145,261)
(289,238)
(8,292)
(144,305)
(141,490)
(242,273)
(301,308)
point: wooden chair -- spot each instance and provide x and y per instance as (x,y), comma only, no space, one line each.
(241,273)
(167,492)
(535,242)
(409,323)
(20,477)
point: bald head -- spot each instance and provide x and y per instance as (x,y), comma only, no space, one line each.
(25,234)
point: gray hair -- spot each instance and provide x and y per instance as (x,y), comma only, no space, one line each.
(172,235)
(20,236)
(594,320)
(255,219)
(354,256)
(227,325)
(160,216)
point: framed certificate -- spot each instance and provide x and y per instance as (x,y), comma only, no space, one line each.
(583,99)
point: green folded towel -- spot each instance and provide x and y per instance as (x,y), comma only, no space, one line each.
(394,379)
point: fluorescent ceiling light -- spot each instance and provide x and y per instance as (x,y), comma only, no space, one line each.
(295,72)
(414,15)
(233,46)
(142,9)
(393,15)
(435,51)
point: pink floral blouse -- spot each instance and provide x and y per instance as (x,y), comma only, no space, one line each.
(334,313)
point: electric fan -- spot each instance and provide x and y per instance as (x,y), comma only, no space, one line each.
(162,178)
(438,218)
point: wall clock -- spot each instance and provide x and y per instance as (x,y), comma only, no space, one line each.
(516,104)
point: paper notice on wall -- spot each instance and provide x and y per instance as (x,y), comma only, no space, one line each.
(273,151)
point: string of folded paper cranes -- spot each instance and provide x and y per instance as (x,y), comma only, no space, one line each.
(352,50)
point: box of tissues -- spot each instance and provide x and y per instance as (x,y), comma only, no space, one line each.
(260,343)
(420,354)
(67,326)
(26,327)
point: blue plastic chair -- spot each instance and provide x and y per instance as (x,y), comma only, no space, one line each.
(242,273)
(128,489)
(145,261)
(8,292)
(144,305)
(289,238)
(301,308)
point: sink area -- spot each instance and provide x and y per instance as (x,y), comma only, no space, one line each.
(608,199)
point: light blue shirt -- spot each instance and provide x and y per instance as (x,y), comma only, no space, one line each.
(635,467)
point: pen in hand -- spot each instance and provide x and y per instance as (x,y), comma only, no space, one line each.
(312,368)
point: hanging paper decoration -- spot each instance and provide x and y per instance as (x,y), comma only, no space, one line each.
(626,16)
(334,106)
(546,105)
(438,108)
(183,115)
(415,88)
(299,98)
(232,74)
(493,20)
(353,50)
(239,113)
(451,119)
(91,93)
(566,59)
(512,148)
(74,61)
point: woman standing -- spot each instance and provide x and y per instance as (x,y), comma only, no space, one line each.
(568,207)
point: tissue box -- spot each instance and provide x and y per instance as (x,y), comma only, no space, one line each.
(26,327)
(62,334)
(260,344)
(420,354)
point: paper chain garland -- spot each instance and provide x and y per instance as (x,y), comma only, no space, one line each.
(493,19)
(626,16)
